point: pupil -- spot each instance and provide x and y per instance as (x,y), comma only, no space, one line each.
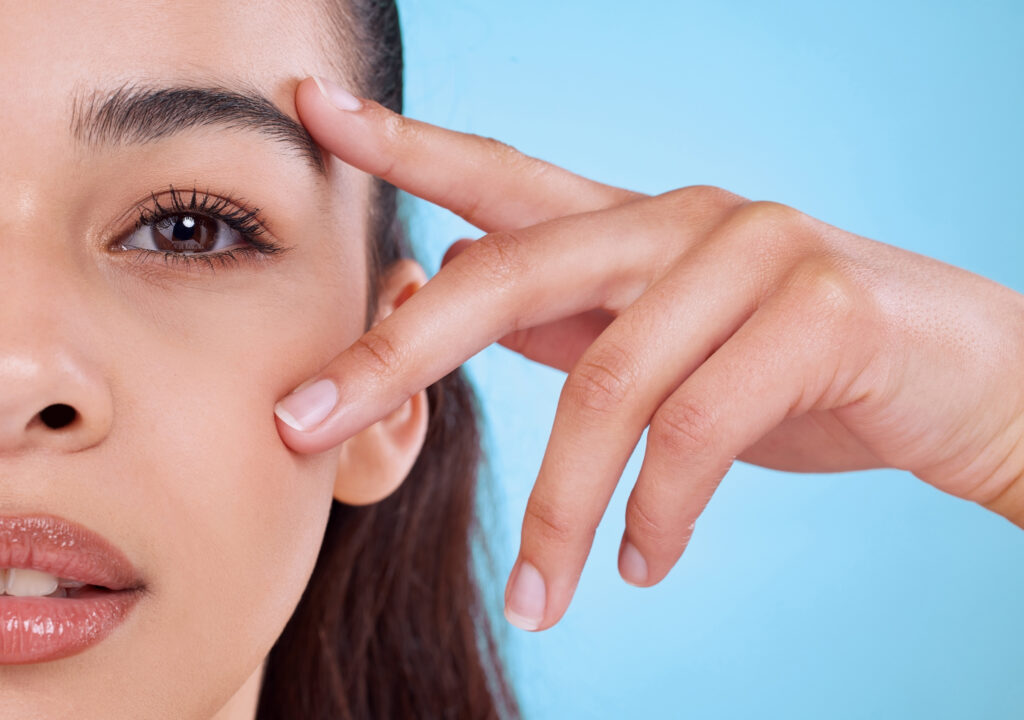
(184,228)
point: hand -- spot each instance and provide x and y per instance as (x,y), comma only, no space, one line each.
(734,329)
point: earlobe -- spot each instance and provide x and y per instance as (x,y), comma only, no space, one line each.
(373,463)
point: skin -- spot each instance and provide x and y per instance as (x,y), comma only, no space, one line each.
(175,456)
(173,372)
(733,329)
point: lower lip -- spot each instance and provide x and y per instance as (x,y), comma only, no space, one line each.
(38,629)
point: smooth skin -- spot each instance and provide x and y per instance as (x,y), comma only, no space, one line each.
(734,329)
(170,367)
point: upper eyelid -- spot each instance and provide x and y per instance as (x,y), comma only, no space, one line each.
(210,203)
(131,218)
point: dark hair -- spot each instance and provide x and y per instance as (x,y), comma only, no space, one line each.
(392,624)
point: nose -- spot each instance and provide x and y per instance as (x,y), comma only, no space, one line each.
(50,400)
(54,393)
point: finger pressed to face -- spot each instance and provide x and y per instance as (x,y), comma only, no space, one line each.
(488,183)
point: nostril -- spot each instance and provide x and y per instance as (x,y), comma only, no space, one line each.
(58,416)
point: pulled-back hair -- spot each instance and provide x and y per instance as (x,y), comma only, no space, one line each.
(392,624)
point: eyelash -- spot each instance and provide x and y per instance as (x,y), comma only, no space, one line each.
(236,215)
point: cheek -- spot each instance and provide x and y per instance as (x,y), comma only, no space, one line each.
(240,517)
(240,525)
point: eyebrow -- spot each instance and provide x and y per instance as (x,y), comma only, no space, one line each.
(138,114)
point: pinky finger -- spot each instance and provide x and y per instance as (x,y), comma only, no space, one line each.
(780,362)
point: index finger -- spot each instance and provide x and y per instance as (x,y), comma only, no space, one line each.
(488,183)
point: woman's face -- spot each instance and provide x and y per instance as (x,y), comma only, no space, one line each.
(173,368)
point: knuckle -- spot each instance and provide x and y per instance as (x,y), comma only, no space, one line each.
(378,353)
(768,214)
(825,290)
(505,155)
(682,427)
(602,381)
(502,256)
(709,196)
(699,207)
(643,523)
(769,234)
(553,525)
(397,131)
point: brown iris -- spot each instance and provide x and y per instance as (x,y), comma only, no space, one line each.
(185,233)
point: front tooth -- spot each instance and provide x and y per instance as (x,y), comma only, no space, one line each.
(22,582)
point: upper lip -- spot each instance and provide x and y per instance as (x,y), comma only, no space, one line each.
(63,548)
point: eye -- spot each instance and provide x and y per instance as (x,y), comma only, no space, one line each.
(185,233)
(199,227)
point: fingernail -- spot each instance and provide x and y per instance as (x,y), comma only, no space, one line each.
(525,607)
(307,406)
(337,96)
(632,565)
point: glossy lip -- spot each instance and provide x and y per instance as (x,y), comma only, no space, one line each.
(38,629)
(65,549)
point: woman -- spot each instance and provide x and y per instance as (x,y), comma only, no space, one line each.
(172,220)
(189,222)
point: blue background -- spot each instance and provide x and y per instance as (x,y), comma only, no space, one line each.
(801,596)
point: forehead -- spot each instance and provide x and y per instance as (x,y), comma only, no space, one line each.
(57,48)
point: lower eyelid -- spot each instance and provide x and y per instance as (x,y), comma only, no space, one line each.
(175,262)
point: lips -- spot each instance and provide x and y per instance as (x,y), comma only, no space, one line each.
(59,547)
(37,629)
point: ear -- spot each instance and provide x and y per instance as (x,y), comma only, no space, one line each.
(373,463)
